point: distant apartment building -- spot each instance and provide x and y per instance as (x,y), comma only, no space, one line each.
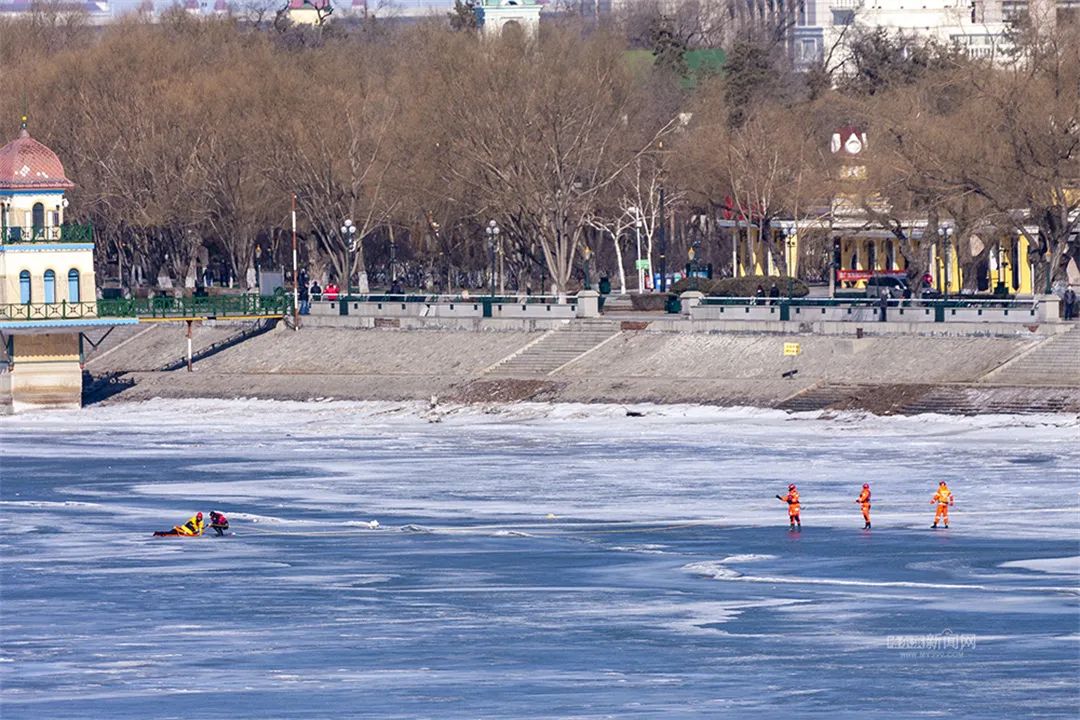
(817,29)
(96,11)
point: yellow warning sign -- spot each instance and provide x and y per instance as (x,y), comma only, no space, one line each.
(791,349)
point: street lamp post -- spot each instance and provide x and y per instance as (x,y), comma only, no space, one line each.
(947,255)
(348,234)
(663,245)
(393,258)
(638,222)
(492,231)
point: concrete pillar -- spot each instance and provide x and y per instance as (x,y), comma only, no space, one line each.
(588,304)
(1049,308)
(45,371)
(690,299)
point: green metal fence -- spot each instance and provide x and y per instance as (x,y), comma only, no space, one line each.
(192,307)
(49,311)
(159,307)
(69,233)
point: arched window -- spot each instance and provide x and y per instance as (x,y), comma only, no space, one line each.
(50,286)
(24,287)
(73,285)
(38,218)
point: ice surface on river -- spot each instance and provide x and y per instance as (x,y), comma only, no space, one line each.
(531,561)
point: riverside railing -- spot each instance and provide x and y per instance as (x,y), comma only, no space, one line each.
(197,307)
(158,307)
(447,306)
(865,309)
(449,298)
(49,311)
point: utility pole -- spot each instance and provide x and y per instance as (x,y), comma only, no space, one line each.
(663,245)
(295,276)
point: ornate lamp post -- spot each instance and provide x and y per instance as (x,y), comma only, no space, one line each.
(492,231)
(348,234)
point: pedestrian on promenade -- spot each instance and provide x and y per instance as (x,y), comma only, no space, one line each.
(1069,300)
(316,291)
(305,300)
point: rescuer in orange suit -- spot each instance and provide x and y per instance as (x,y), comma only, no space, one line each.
(864,502)
(944,498)
(792,500)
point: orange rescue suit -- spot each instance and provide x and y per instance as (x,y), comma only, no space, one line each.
(944,498)
(792,501)
(864,502)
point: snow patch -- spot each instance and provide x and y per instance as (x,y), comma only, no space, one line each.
(1051,566)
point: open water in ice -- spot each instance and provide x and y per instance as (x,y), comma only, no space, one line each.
(664,584)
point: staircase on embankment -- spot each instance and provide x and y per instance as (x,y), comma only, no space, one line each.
(557,349)
(956,399)
(1054,361)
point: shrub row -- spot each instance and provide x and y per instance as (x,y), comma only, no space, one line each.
(742,286)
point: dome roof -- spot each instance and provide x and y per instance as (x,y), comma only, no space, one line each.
(27,164)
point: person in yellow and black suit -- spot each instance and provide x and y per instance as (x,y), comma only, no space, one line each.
(193,527)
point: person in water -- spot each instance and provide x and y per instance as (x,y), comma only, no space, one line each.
(218,522)
(192,528)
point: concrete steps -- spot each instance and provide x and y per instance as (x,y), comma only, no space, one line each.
(941,399)
(1006,400)
(557,349)
(1055,361)
(826,396)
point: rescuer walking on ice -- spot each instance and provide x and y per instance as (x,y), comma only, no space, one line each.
(864,503)
(792,500)
(944,498)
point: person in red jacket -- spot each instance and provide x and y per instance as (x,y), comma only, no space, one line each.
(331,292)
(792,500)
(218,522)
(864,502)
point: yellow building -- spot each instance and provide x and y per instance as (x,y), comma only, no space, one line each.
(860,254)
(47,285)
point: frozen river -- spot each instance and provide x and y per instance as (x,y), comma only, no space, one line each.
(534,562)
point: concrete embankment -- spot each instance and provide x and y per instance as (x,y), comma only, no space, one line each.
(610,360)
